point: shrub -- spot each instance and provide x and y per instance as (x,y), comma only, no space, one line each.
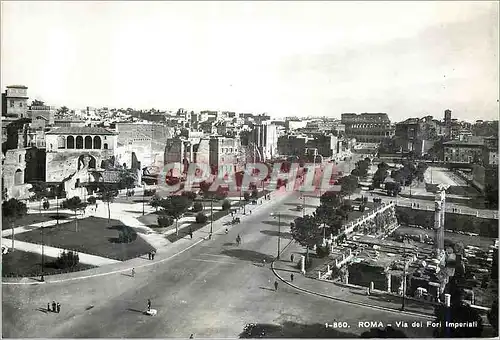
(226,205)
(67,259)
(127,235)
(91,200)
(165,221)
(189,194)
(46,205)
(201,218)
(197,206)
(322,251)
(246,196)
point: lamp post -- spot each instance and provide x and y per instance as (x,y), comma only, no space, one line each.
(57,209)
(211,217)
(279,232)
(42,277)
(143,197)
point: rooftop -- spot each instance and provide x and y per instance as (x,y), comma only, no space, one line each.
(16,87)
(83,130)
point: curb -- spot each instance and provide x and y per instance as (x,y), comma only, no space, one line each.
(355,303)
(122,270)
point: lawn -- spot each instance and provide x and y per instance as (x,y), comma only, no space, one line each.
(30,219)
(21,263)
(94,237)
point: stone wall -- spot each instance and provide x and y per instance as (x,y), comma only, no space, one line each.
(61,165)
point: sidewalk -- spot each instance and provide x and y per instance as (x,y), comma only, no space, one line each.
(163,253)
(343,293)
(54,252)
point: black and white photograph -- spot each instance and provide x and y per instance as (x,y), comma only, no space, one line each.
(249,169)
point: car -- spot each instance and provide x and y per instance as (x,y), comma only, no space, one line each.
(5,249)
(299,207)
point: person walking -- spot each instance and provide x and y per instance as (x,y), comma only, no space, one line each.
(191,336)
(291,277)
(291,258)
(191,233)
(227,231)
(149,304)
(149,256)
(48,306)
(58,306)
(54,306)
(275,285)
(133,272)
(153,255)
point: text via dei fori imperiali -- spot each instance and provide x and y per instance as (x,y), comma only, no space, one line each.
(400,324)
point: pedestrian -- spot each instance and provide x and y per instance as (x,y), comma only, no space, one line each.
(191,336)
(191,233)
(149,256)
(54,306)
(48,306)
(227,231)
(291,258)
(133,272)
(153,255)
(275,285)
(291,277)
(58,307)
(149,304)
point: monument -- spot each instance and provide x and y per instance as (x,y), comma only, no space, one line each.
(439,214)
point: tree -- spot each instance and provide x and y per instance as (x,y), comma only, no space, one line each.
(63,110)
(189,194)
(380,175)
(255,193)
(197,206)
(67,259)
(201,218)
(127,180)
(226,205)
(305,231)
(175,206)
(155,202)
(349,184)
(39,190)
(91,200)
(331,199)
(165,221)
(12,210)
(74,204)
(246,196)
(108,197)
(46,205)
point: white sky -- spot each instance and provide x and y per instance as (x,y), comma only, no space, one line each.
(285,58)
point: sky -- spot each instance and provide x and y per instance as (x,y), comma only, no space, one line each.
(300,58)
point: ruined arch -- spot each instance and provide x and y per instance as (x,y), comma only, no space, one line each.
(88,142)
(79,142)
(61,142)
(70,142)
(18,177)
(97,142)
(86,160)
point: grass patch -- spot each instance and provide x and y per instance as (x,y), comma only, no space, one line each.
(24,264)
(94,237)
(30,219)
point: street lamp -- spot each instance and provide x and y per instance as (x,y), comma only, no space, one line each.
(279,232)
(42,278)
(211,217)
(143,197)
(57,209)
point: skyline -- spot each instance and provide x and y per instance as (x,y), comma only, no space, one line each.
(321,58)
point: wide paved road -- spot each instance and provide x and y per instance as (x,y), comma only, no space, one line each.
(211,290)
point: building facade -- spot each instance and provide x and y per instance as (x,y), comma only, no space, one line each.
(15,101)
(368,127)
(77,157)
(265,139)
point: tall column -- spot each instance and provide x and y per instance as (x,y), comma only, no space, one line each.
(388,277)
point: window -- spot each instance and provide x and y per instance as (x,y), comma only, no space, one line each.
(19,158)
(11,103)
(20,104)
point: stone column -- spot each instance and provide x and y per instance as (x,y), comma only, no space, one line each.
(303,264)
(388,276)
(372,287)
